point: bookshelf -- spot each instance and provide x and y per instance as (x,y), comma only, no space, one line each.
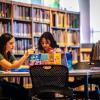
(22,25)
(73,35)
(58,26)
(5,17)
(40,22)
(85,52)
(28,21)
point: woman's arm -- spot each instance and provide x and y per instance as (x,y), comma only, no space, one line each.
(8,65)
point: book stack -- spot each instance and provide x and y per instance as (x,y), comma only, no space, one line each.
(53,58)
(35,59)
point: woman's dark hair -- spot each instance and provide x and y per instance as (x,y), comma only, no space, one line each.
(47,36)
(4,38)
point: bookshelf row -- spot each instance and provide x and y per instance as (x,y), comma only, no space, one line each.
(85,54)
(27,22)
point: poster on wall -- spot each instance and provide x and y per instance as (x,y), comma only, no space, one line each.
(69,5)
(52,3)
(23,1)
(37,2)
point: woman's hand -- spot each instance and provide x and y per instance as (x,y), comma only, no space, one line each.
(58,50)
(29,52)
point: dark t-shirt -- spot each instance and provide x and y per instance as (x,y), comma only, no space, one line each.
(11,59)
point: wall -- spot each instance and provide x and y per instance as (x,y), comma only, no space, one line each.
(95,20)
(84,6)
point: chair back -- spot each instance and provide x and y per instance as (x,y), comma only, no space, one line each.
(48,77)
(95,55)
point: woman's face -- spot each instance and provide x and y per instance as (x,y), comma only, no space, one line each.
(45,44)
(10,45)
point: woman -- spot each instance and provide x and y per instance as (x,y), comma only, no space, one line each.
(7,62)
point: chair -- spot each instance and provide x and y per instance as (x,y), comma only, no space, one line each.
(48,80)
(2,97)
(95,59)
(93,94)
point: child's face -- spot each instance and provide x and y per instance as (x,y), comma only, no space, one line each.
(10,45)
(45,44)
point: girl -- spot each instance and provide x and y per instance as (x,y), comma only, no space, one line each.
(47,44)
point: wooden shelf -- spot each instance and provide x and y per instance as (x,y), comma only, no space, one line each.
(85,49)
(85,54)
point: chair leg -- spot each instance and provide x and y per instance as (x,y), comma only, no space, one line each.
(4,98)
(98,92)
(35,98)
